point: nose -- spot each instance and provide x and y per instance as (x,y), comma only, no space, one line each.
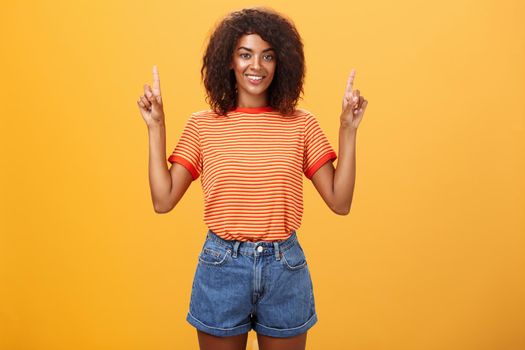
(256,64)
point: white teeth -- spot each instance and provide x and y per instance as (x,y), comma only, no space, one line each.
(254,77)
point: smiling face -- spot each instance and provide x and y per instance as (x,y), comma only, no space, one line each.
(253,63)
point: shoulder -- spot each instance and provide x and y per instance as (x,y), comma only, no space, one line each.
(302,112)
(202,116)
(203,113)
(306,116)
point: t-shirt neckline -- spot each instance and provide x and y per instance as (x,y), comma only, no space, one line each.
(253,110)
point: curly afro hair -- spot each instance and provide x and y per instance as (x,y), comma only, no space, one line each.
(219,80)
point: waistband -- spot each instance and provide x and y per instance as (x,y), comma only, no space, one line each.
(252,248)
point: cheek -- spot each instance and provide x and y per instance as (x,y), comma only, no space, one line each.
(272,68)
(272,72)
(239,66)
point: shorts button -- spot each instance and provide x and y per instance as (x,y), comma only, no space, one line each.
(259,249)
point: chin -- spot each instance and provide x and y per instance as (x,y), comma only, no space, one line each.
(256,91)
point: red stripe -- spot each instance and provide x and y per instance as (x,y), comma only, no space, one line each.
(252,168)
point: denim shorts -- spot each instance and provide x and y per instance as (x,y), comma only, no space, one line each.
(264,286)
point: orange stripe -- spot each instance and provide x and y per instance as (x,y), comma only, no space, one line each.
(252,164)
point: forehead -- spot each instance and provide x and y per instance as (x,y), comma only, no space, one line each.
(253,41)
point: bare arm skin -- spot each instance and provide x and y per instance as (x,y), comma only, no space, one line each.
(323,180)
(167,186)
(336,186)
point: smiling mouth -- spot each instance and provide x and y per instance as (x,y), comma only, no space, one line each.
(254,79)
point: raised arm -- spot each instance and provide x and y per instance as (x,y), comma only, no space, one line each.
(336,185)
(167,186)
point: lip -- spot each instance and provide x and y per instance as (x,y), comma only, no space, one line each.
(254,82)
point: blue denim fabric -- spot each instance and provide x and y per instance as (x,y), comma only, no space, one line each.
(239,286)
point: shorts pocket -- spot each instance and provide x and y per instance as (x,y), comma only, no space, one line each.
(214,254)
(294,258)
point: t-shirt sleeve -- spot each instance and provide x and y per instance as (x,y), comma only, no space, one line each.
(188,151)
(317,148)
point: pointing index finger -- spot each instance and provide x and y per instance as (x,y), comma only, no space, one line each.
(350,82)
(156,81)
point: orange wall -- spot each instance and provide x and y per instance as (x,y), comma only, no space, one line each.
(430,257)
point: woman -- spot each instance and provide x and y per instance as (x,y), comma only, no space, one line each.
(252,148)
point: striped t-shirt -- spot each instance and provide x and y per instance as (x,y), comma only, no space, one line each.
(252,162)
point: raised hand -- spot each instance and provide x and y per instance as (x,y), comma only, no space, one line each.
(354,105)
(150,104)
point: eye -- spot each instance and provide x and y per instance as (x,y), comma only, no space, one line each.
(268,57)
(244,55)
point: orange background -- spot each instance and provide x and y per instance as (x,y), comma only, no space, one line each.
(431,256)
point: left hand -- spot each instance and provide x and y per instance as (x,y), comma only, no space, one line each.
(354,105)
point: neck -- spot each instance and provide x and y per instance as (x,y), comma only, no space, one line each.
(251,101)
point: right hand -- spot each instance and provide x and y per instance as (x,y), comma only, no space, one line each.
(150,104)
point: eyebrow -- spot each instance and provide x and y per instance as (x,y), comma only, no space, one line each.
(247,49)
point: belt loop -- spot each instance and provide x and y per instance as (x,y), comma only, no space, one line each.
(235,248)
(276,250)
